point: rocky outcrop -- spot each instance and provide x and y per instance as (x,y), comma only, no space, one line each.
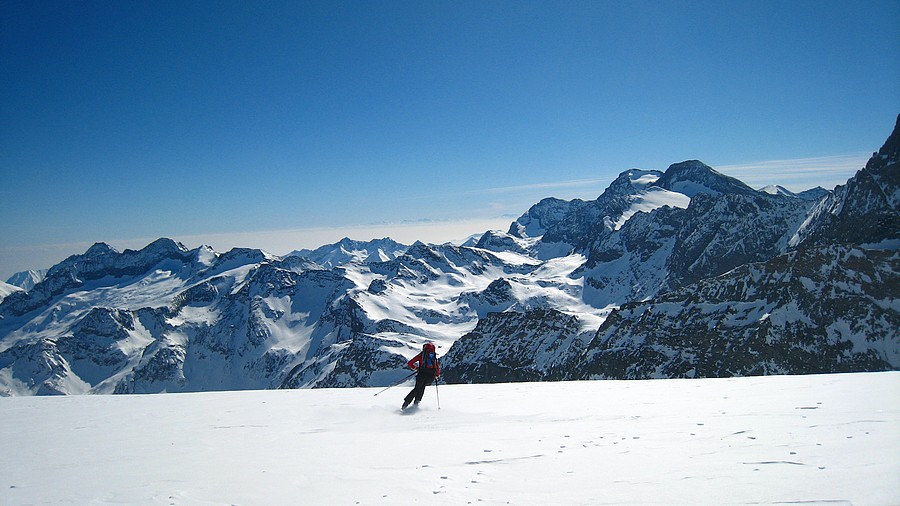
(512,346)
(830,309)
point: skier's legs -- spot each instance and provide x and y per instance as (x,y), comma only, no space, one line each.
(412,393)
(423,379)
(420,387)
(416,392)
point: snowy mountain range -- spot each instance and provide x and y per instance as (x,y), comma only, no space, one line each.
(347,250)
(679,273)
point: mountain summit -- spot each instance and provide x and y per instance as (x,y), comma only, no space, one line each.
(693,176)
(866,210)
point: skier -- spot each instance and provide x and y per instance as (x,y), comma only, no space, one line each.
(428,369)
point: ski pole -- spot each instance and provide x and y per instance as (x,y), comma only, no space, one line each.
(437,393)
(397,383)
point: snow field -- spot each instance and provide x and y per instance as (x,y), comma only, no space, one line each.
(765,440)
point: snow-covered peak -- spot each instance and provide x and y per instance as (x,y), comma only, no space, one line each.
(774,189)
(205,255)
(98,249)
(161,247)
(6,289)
(813,194)
(101,259)
(693,176)
(237,257)
(27,279)
(470,241)
(631,182)
(495,240)
(542,216)
(348,250)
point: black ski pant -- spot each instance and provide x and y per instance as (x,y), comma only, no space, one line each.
(424,378)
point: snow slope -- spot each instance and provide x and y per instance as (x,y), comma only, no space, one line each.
(6,289)
(27,279)
(761,440)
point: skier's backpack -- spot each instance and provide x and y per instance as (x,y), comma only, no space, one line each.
(429,357)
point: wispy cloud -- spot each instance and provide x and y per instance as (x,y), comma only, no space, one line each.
(549,185)
(799,174)
(795,174)
(547,188)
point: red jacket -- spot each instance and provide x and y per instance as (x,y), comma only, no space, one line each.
(416,362)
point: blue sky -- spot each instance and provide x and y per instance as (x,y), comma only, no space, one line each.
(283,125)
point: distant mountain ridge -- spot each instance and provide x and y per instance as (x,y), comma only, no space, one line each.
(679,273)
(347,250)
(811,194)
(27,279)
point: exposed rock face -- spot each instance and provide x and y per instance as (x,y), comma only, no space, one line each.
(512,347)
(830,309)
(721,233)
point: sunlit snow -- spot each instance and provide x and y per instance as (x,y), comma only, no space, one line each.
(762,440)
(654,198)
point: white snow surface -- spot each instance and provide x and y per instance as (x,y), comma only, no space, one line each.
(827,439)
(650,199)
(6,289)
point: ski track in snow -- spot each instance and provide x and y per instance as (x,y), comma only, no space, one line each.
(765,440)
